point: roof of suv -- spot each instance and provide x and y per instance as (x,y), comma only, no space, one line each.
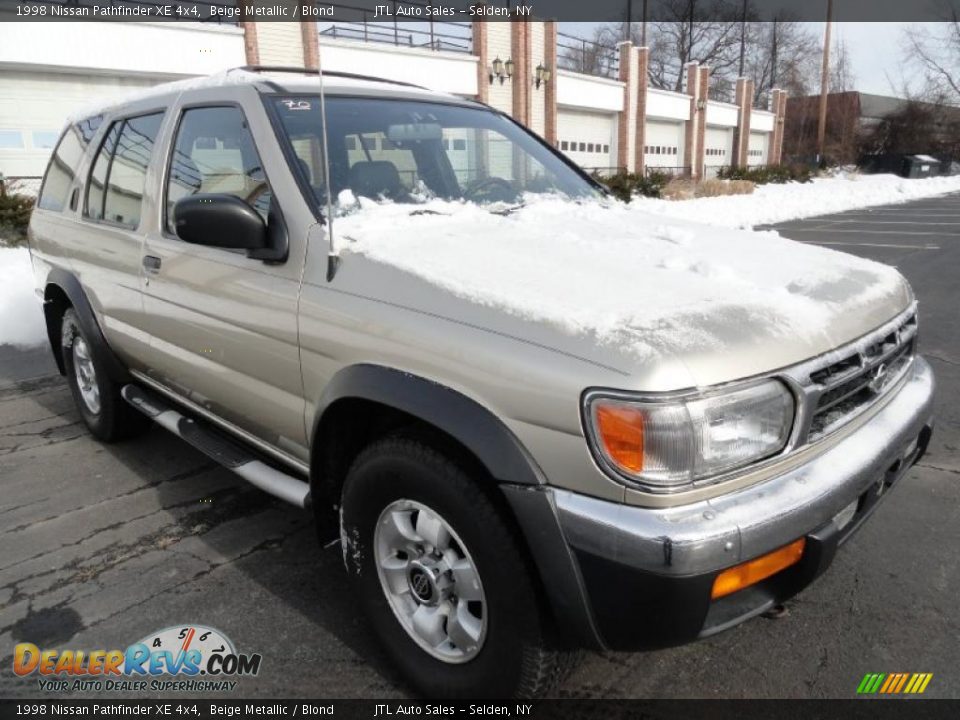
(276,79)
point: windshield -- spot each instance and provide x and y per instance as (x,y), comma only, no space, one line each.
(410,151)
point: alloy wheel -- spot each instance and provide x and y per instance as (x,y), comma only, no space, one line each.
(86,375)
(430,581)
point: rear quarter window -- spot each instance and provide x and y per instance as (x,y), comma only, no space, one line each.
(63,164)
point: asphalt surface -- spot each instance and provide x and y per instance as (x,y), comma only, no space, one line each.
(101,545)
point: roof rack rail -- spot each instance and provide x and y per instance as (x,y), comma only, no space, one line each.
(326,73)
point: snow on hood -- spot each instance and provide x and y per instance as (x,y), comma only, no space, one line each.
(626,278)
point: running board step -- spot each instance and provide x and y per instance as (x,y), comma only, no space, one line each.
(215,445)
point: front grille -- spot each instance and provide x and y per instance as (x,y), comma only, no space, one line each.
(849,385)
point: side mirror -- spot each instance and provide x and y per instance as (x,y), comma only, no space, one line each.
(219,220)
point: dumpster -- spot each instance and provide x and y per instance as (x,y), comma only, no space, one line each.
(920,166)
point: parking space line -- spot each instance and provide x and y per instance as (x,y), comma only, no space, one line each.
(906,213)
(896,246)
(893,222)
(873,232)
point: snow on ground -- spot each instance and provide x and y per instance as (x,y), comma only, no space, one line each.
(612,271)
(21,315)
(777,203)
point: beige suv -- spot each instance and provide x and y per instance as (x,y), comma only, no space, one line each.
(537,419)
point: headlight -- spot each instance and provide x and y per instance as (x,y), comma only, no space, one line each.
(666,444)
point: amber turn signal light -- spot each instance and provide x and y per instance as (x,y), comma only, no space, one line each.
(621,431)
(750,573)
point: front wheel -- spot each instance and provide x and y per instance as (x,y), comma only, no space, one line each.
(441,577)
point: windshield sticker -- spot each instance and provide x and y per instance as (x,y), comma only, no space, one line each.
(298,104)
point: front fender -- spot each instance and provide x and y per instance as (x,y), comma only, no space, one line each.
(518,476)
(472,425)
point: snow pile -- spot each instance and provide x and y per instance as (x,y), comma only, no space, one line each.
(611,271)
(21,315)
(777,203)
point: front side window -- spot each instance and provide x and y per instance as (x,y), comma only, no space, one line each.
(214,153)
(119,174)
(410,151)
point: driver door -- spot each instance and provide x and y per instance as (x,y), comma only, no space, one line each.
(223,325)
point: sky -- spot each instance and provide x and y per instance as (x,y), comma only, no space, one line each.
(876,53)
(875,48)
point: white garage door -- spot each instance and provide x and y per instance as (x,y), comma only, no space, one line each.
(757,152)
(35,107)
(588,138)
(718,150)
(664,144)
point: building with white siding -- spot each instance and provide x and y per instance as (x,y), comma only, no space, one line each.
(49,70)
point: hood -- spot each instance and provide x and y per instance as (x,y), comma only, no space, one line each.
(628,289)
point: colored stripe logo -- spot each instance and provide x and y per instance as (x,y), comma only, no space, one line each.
(894,683)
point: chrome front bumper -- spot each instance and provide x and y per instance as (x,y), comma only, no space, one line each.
(713,534)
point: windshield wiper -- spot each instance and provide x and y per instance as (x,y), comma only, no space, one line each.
(508,210)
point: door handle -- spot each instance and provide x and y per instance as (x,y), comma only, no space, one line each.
(151,263)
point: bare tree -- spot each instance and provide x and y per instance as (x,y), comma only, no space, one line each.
(842,77)
(917,126)
(703,31)
(596,55)
(784,53)
(936,53)
(781,54)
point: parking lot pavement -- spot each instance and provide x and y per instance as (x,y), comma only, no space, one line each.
(100,545)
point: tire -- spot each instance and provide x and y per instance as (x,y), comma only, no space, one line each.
(104,411)
(405,483)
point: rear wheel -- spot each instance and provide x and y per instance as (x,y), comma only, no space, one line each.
(441,577)
(104,411)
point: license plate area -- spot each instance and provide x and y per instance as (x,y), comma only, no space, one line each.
(849,519)
(845,516)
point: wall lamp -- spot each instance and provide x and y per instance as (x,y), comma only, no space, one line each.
(701,104)
(500,69)
(542,75)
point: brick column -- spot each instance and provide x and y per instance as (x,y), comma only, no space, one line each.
(311,44)
(772,137)
(251,47)
(550,90)
(741,134)
(480,40)
(640,124)
(703,96)
(698,83)
(781,124)
(520,49)
(627,121)
(778,106)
